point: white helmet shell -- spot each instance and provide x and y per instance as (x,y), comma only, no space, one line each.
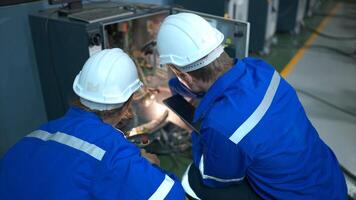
(185,38)
(107,80)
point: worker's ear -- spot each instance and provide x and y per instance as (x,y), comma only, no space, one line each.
(186,78)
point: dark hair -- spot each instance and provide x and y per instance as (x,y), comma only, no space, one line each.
(215,69)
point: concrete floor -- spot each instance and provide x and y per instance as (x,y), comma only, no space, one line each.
(326,85)
(331,77)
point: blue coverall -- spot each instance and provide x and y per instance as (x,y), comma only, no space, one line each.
(80,157)
(254,127)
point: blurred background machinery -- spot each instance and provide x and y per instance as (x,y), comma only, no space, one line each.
(64,38)
(311,6)
(237,9)
(262,16)
(290,15)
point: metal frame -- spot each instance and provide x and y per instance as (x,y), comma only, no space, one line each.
(172,10)
(104,24)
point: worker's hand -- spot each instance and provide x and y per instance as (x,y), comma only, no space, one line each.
(152,158)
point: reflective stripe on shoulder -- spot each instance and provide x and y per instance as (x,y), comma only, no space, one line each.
(260,111)
(163,190)
(71,141)
(204,176)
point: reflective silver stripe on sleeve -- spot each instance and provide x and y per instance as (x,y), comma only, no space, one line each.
(204,176)
(163,190)
(186,186)
(260,111)
(74,142)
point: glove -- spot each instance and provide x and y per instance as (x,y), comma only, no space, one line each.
(177,87)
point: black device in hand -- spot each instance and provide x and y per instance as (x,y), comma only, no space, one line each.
(183,109)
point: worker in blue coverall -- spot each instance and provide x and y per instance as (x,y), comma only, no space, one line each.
(81,155)
(255,140)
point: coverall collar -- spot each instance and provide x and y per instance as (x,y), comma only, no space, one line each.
(79,112)
(218,88)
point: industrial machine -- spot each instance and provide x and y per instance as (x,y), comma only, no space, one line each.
(237,9)
(262,16)
(64,41)
(310,7)
(214,7)
(67,5)
(290,15)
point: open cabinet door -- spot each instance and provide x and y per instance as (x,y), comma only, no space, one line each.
(237,33)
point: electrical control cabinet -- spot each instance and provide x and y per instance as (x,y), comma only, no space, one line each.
(63,43)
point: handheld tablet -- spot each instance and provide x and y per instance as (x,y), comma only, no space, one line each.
(183,109)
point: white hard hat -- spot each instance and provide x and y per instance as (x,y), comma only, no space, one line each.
(185,38)
(107,80)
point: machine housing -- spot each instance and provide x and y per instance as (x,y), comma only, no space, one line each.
(63,43)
